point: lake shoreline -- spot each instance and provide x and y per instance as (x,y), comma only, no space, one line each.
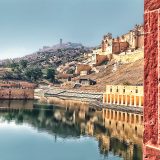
(92,100)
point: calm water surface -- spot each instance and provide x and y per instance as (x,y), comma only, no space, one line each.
(35,132)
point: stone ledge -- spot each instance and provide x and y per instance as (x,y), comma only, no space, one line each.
(151,5)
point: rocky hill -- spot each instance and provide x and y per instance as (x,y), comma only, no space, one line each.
(125,74)
(128,72)
(54,56)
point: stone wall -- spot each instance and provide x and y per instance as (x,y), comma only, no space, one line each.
(17,84)
(82,67)
(140,41)
(118,47)
(151,80)
(16,93)
(100,59)
(129,57)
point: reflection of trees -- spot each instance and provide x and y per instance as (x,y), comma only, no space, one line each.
(117,145)
(123,149)
(137,154)
(65,126)
(103,150)
(43,120)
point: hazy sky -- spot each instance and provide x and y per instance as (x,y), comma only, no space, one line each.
(27,25)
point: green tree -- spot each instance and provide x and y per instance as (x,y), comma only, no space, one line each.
(51,74)
(23,64)
(33,74)
(71,71)
(14,66)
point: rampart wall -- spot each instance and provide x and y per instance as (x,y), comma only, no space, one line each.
(16,93)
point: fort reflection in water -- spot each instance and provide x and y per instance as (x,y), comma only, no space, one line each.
(116,132)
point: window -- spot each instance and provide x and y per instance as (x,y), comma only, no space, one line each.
(111,90)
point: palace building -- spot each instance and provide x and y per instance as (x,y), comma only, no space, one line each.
(133,40)
(124,95)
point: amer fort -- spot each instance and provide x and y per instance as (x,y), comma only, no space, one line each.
(124,95)
(142,129)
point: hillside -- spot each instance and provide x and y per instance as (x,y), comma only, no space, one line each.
(53,56)
(126,69)
(129,74)
(126,74)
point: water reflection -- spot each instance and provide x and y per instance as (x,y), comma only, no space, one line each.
(117,133)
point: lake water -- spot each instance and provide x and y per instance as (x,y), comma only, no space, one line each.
(35,132)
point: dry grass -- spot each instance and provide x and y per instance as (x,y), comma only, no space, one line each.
(131,73)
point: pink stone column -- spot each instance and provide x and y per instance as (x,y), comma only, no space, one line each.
(152,80)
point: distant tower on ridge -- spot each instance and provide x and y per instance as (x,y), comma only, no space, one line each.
(61,41)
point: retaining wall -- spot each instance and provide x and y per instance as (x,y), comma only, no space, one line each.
(16,93)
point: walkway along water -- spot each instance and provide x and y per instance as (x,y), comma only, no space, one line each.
(74,98)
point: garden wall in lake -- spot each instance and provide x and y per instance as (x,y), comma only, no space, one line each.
(16,93)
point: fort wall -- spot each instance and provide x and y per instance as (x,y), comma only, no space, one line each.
(82,67)
(118,47)
(129,57)
(16,90)
(16,93)
(99,59)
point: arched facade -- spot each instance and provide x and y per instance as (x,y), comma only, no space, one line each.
(124,95)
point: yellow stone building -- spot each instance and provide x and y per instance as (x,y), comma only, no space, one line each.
(98,57)
(124,95)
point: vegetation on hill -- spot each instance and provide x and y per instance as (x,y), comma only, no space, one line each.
(52,57)
(22,71)
(46,63)
(43,63)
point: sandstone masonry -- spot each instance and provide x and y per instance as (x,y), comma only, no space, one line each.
(152,80)
(16,90)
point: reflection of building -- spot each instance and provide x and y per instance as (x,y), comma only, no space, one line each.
(104,143)
(11,105)
(126,130)
(129,118)
(114,131)
(90,128)
(124,95)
